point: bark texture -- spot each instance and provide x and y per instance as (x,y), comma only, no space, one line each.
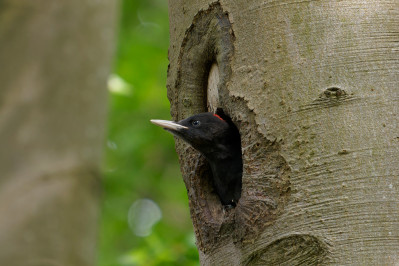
(54,60)
(313,88)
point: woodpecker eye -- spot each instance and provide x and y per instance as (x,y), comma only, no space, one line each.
(196,123)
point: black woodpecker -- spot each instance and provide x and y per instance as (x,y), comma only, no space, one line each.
(218,139)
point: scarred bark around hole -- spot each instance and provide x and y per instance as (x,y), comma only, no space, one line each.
(313,89)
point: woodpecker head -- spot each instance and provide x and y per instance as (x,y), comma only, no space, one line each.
(211,134)
(218,139)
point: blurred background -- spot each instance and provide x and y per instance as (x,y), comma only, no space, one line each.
(145,213)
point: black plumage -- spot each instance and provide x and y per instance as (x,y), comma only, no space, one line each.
(218,139)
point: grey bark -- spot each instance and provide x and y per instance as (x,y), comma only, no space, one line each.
(54,60)
(313,88)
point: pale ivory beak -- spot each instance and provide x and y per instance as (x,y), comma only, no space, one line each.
(168,124)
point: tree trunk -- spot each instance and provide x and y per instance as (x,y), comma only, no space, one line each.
(313,89)
(55,59)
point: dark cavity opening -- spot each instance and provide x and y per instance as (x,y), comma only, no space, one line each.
(203,72)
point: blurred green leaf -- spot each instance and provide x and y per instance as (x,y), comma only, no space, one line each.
(140,159)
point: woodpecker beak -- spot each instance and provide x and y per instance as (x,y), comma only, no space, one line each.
(168,124)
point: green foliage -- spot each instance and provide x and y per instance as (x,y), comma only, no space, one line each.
(140,161)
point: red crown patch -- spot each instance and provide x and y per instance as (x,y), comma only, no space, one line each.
(218,117)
